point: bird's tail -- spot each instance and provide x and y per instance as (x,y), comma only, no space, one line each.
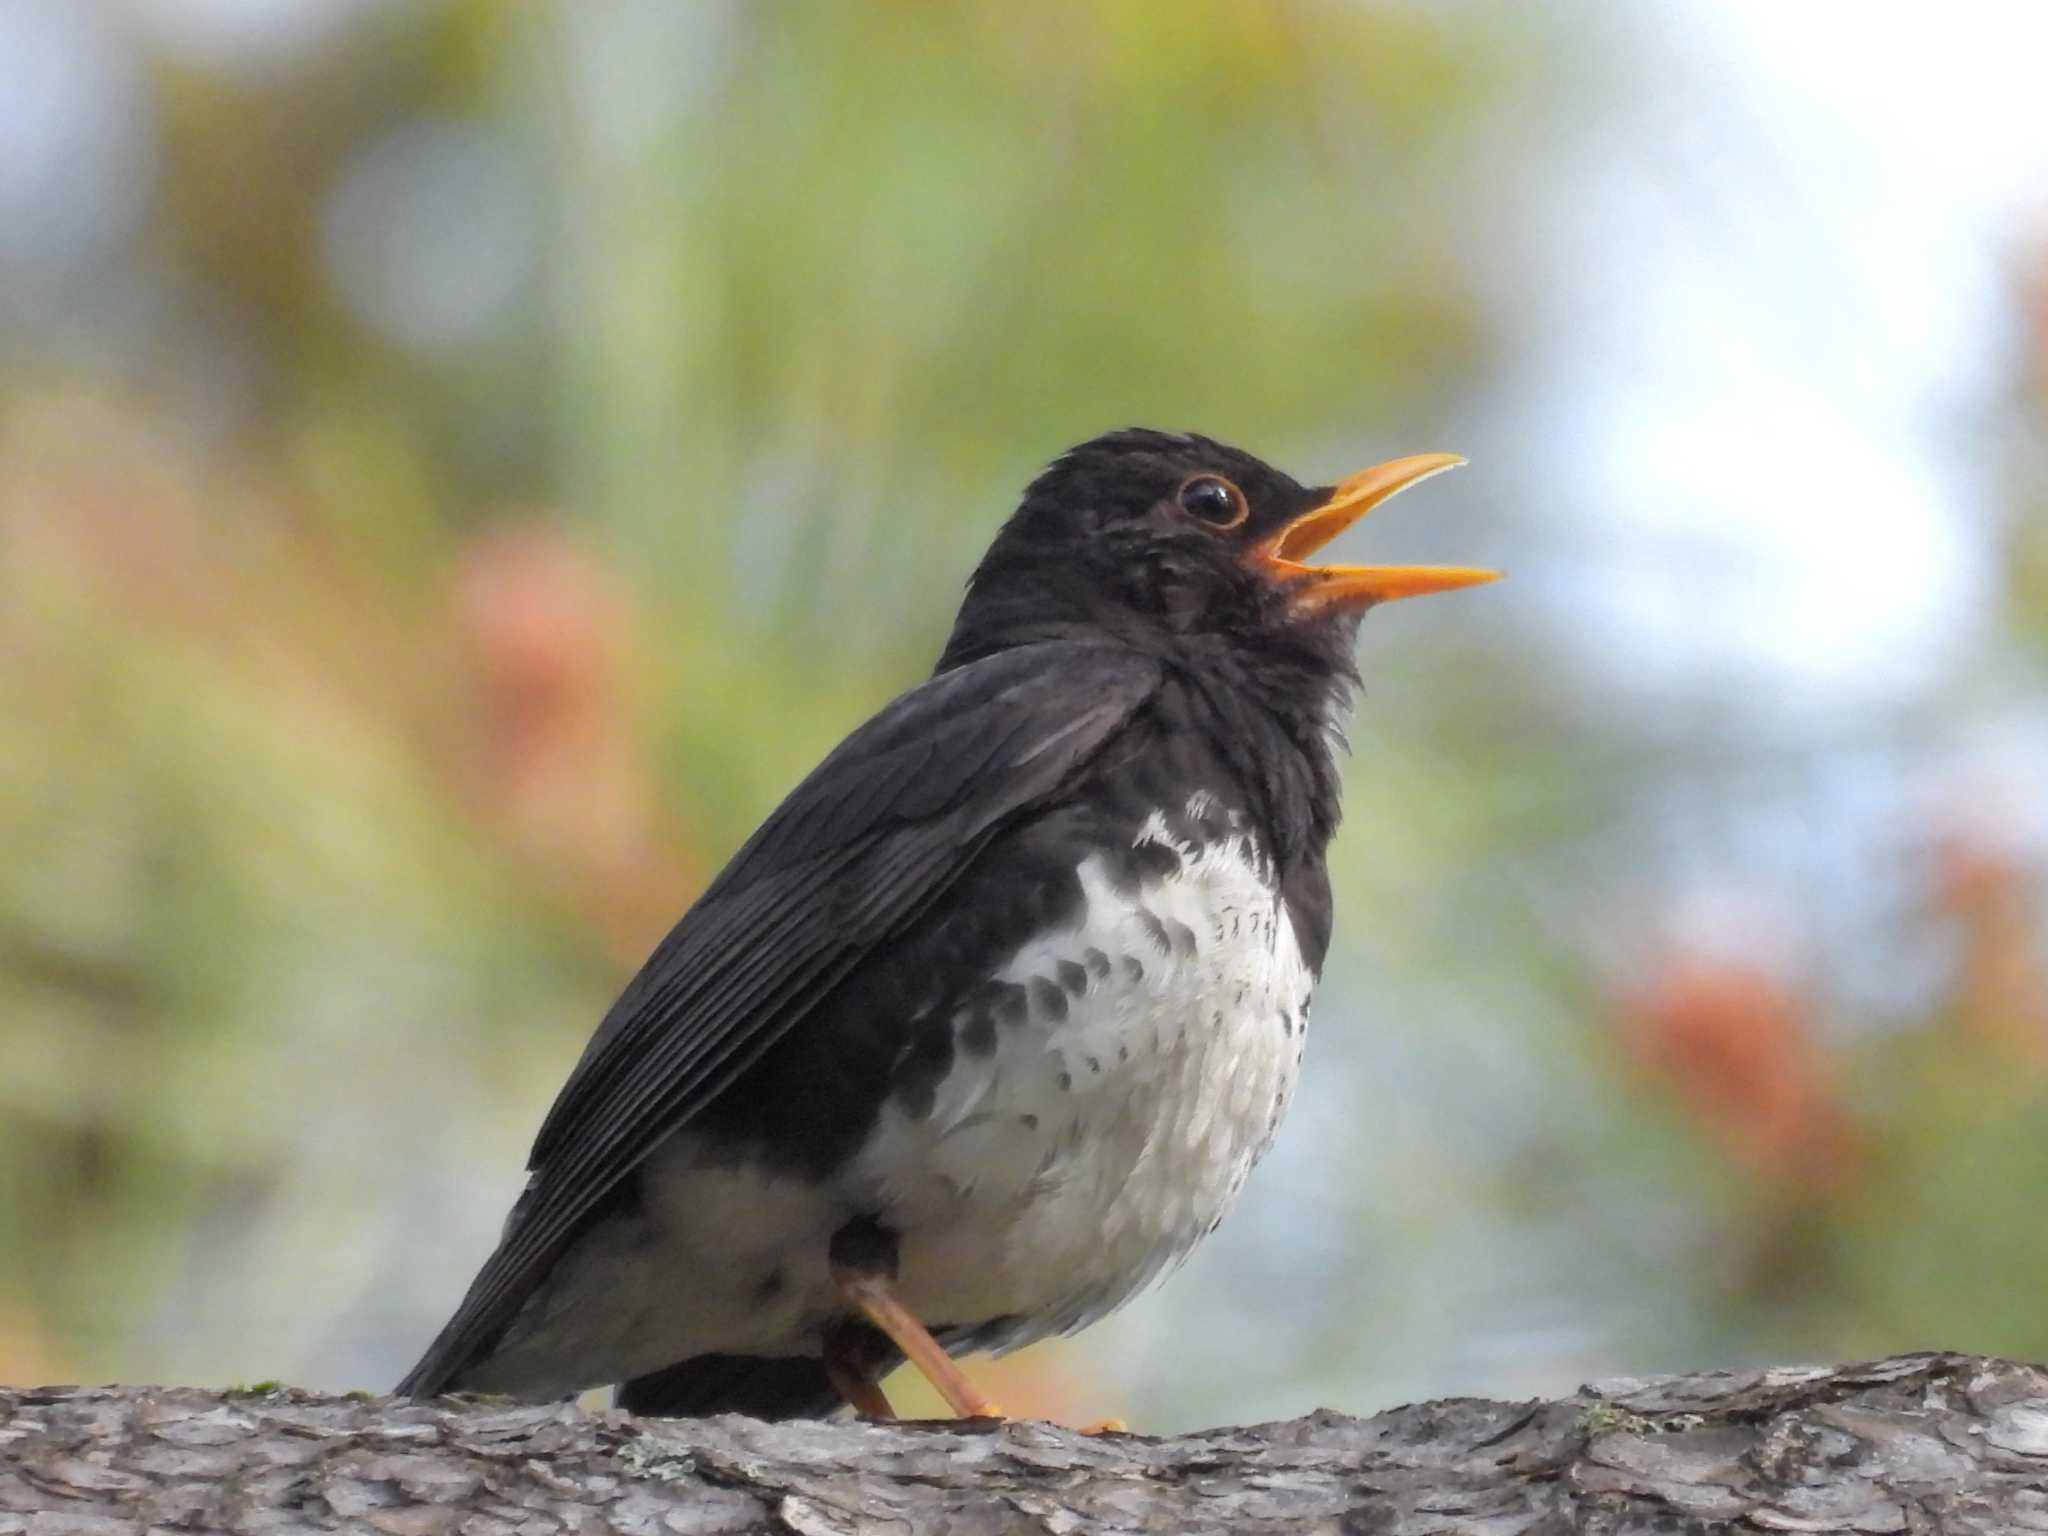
(466,1338)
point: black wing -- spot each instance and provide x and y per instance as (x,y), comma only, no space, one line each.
(878,830)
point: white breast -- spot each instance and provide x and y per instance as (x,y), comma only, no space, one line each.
(1109,1130)
(1066,1160)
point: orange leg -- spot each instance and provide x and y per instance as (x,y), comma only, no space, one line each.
(864,1273)
(875,1297)
(854,1359)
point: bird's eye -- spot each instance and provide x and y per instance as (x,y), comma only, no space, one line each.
(1214,500)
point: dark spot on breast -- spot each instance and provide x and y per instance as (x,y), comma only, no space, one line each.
(1134,968)
(1097,963)
(1049,999)
(1094,1063)
(925,1063)
(770,1287)
(917,1096)
(1155,930)
(1183,936)
(1238,1001)
(1149,862)
(1287,1022)
(978,1033)
(1123,1053)
(1029,1122)
(1008,1002)
(1066,1081)
(1073,976)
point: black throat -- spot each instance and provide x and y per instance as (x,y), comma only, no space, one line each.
(1260,727)
(1275,721)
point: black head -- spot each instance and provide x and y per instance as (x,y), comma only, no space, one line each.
(1184,547)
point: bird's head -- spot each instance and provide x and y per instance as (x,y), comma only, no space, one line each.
(1179,544)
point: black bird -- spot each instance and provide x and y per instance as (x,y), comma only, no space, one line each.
(983,1028)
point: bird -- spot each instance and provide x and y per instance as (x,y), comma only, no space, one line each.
(980,1032)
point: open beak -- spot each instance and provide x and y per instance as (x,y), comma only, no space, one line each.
(1318,587)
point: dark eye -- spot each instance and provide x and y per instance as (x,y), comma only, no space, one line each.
(1214,500)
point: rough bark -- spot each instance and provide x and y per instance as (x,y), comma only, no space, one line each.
(1922,1443)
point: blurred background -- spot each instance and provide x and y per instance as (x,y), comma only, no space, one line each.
(461,462)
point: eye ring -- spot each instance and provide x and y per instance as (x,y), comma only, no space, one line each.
(1213,500)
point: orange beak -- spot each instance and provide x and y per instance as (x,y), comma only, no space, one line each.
(1318,587)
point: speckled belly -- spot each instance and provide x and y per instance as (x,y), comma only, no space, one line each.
(1108,1094)
(1105,1096)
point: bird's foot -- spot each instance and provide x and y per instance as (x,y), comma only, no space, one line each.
(856,1359)
(863,1259)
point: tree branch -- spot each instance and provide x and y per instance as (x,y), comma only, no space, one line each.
(1944,1443)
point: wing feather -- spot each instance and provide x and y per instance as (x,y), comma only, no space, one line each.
(880,829)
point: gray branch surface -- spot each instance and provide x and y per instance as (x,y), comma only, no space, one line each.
(1922,1443)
